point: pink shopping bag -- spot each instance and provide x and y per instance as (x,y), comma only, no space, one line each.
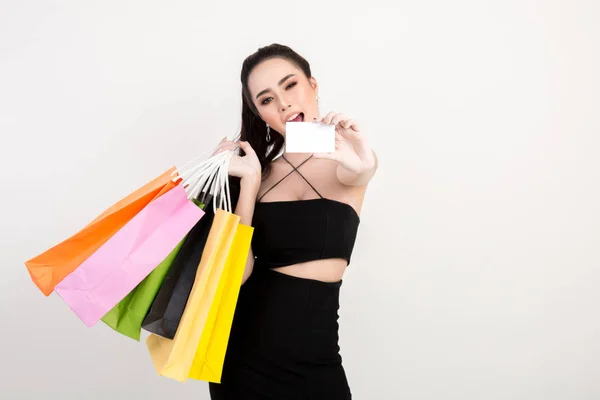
(117,267)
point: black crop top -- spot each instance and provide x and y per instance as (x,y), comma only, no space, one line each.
(295,231)
(291,232)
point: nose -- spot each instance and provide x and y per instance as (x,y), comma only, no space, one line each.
(283,104)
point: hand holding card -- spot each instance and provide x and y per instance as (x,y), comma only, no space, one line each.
(352,150)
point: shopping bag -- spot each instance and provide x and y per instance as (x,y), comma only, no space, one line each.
(117,267)
(52,266)
(127,316)
(173,358)
(166,311)
(210,352)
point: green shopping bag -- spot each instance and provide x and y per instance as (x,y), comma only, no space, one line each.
(126,317)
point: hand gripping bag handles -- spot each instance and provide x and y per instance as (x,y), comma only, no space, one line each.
(228,242)
(119,265)
(52,266)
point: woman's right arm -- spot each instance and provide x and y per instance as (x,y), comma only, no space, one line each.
(248,169)
(249,186)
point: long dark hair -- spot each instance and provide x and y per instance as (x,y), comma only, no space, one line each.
(254,129)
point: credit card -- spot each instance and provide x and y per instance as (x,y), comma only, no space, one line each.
(309,137)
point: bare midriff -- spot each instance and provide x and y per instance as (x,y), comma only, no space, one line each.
(328,270)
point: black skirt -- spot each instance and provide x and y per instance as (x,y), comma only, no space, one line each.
(284,341)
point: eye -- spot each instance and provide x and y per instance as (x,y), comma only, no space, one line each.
(268,99)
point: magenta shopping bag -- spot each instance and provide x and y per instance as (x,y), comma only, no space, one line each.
(117,267)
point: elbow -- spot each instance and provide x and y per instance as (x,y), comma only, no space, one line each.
(245,278)
(248,271)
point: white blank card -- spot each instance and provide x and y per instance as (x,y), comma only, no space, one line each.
(309,137)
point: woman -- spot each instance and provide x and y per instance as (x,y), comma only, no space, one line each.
(305,212)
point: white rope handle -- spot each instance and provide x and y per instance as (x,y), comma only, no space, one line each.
(192,162)
(195,177)
(210,180)
(210,176)
(223,193)
(200,180)
(219,187)
(193,165)
(199,168)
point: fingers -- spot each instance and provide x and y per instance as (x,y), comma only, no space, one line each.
(337,118)
(225,145)
(333,118)
(327,118)
(246,147)
(340,118)
(347,123)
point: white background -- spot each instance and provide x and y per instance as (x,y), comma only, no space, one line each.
(477,266)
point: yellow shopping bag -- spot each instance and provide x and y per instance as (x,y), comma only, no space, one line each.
(173,358)
(210,354)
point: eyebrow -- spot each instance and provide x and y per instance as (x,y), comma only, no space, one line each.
(279,83)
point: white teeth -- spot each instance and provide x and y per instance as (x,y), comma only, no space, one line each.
(293,116)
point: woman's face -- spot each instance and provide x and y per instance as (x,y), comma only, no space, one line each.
(280,91)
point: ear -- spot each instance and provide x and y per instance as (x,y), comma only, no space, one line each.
(314,84)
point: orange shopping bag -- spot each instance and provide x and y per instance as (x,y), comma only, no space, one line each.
(52,266)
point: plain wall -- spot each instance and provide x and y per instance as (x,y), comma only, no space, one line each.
(477,266)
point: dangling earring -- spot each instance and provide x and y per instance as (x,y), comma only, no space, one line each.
(268,133)
(318,108)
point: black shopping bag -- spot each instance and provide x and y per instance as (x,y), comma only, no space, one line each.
(167,309)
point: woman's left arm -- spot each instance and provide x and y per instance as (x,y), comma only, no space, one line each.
(357,161)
